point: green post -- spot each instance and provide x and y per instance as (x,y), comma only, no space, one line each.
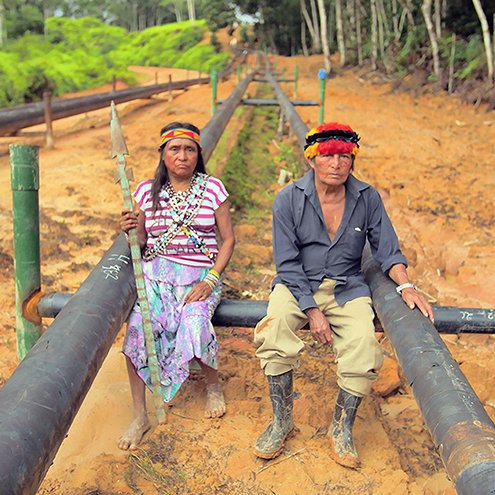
(296,77)
(24,177)
(238,73)
(322,76)
(214,83)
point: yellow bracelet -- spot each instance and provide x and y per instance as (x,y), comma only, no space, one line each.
(215,273)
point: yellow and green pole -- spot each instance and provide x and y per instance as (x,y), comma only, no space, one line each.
(24,176)
(322,76)
(214,87)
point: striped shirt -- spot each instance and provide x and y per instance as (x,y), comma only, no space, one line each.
(181,249)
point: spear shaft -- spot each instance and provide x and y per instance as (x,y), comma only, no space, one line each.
(119,150)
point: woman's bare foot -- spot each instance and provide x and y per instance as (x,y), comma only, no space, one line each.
(134,434)
(215,402)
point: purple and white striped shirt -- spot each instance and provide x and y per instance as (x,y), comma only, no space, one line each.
(181,249)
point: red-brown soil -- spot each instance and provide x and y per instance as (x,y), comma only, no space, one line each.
(432,159)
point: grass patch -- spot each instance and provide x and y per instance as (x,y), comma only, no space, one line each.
(222,150)
(250,169)
(288,159)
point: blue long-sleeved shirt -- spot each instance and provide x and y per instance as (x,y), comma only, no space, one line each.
(305,255)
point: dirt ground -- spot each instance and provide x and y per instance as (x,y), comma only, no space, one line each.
(431,157)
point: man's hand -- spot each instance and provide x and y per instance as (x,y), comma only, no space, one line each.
(319,326)
(409,295)
(413,298)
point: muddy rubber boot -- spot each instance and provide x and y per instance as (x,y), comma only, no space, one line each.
(344,452)
(271,442)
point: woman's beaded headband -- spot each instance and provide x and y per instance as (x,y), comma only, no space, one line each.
(331,139)
(179,133)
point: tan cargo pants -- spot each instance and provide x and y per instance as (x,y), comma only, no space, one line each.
(357,353)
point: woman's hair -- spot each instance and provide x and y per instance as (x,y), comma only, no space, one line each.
(161,173)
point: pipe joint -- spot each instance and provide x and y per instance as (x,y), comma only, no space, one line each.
(30,307)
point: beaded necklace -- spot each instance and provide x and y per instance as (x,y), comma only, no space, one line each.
(183,207)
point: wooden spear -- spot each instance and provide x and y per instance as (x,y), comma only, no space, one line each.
(119,150)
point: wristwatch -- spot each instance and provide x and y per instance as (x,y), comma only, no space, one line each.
(408,285)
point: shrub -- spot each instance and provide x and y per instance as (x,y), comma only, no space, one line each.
(84,53)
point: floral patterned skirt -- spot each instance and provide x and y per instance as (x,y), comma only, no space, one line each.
(182,332)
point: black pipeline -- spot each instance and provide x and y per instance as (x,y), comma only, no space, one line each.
(216,125)
(461,429)
(244,313)
(15,118)
(40,400)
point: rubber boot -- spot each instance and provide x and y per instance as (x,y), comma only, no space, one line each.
(271,442)
(344,452)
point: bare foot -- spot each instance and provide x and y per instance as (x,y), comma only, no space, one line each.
(134,434)
(215,402)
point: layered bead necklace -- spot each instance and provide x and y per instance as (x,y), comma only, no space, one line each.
(183,207)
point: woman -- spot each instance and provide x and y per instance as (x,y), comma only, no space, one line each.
(182,264)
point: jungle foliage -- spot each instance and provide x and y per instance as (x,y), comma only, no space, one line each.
(75,54)
(447,39)
(390,35)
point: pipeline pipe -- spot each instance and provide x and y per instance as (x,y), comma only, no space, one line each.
(461,429)
(50,305)
(15,118)
(24,173)
(278,80)
(259,102)
(297,124)
(450,319)
(246,313)
(216,125)
(459,425)
(40,400)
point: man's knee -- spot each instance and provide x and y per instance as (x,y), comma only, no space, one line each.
(278,346)
(363,348)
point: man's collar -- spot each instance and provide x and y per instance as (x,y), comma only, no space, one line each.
(355,186)
(307,184)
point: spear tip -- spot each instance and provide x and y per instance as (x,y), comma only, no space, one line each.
(117,136)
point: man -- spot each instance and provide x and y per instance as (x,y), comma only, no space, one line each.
(320,225)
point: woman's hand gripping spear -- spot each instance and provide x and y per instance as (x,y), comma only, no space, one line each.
(119,150)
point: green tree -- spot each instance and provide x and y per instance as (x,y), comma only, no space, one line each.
(21,18)
(218,13)
(278,24)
